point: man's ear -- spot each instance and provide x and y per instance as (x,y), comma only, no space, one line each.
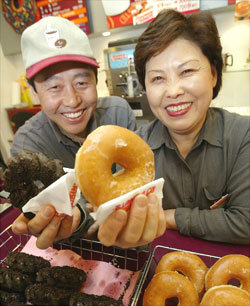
(34,95)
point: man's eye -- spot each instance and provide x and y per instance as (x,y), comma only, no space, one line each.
(54,87)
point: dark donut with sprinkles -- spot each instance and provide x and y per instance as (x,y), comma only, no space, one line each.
(25,171)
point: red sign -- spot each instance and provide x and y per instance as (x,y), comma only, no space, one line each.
(141,11)
(73,10)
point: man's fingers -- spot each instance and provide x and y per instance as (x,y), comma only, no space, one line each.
(65,229)
(41,220)
(49,233)
(20,226)
(109,231)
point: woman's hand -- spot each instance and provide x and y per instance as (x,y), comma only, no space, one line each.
(141,225)
(47,226)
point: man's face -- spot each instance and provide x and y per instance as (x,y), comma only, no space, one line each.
(68,96)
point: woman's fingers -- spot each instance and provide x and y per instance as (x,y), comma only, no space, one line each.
(109,231)
(152,221)
(137,217)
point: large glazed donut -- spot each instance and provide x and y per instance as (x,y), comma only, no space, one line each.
(225,295)
(168,284)
(102,148)
(188,264)
(23,173)
(229,267)
(19,14)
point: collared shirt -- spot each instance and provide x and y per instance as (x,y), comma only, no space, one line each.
(40,134)
(218,164)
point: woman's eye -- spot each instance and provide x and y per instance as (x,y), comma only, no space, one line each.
(187,71)
(157,78)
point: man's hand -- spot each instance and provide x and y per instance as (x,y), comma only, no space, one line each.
(141,225)
(46,226)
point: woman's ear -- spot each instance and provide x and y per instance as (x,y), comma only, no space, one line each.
(214,75)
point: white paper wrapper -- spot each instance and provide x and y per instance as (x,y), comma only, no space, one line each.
(126,200)
(63,194)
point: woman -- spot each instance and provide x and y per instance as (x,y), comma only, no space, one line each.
(202,152)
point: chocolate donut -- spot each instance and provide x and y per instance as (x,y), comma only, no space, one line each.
(28,173)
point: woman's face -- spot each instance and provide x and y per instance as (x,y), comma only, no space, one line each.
(179,86)
(68,96)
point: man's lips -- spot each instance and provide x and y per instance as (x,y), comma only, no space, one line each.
(73,115)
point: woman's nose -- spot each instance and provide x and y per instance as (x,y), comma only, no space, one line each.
(174,88)
(71,97)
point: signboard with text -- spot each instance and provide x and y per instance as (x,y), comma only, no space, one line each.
(140,11)
(73,10)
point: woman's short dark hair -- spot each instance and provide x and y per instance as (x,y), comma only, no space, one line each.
(169,25)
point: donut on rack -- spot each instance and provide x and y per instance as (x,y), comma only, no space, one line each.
(234,266)
(225,295)
(25,170)
(102,148)
(188,264)
(168,284)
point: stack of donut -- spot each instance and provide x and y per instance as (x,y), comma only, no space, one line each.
(229,267)
(185,276)
(23,173)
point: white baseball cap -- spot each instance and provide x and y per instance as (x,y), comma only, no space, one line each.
(52,40)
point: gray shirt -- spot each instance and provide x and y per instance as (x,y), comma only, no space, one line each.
(218,164)
(40,134)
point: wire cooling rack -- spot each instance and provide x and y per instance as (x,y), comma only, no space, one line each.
(131,259)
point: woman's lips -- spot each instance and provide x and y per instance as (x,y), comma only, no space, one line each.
(179,109)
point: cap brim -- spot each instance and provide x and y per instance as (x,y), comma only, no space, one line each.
(33,70)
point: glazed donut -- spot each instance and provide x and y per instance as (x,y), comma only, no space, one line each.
(229,267)
(225,295)
(168,284)
(24,170)
(102,148)
(19,14)
(188,264)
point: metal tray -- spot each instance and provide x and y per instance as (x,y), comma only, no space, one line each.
(151,263)
(131,259)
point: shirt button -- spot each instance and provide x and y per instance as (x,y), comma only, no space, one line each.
(190,199)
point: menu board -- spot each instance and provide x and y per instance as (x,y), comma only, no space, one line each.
(140,11)
(73,10)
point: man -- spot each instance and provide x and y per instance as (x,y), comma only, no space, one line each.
(63,73)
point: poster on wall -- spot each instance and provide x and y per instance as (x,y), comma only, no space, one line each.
(133,12)
(73,10)
(242,10)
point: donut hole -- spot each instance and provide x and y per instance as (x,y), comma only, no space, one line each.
(116,169)
(234,282)
(174,301)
